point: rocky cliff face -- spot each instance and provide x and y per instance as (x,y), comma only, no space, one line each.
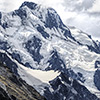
(12,87)
(65,88)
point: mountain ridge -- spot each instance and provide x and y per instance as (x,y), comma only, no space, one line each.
(35,38)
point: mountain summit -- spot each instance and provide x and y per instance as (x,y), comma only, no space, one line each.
(61,63)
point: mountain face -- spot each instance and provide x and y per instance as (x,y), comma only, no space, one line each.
(12,87)
(61,63)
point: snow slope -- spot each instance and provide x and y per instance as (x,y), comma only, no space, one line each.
(40,47)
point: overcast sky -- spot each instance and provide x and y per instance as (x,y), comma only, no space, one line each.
(83,14)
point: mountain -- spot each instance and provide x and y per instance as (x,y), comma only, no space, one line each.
(60,62)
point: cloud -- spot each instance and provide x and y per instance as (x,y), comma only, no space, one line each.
(78,15)
(7,6)
(95,7)
(87,23)
(11,5)
(78,5)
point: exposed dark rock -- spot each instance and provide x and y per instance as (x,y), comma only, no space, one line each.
(31,5)
(8,62)
(41,30)
(5,25)
(65,88)
(4,45)
(97,79)
(80,74)
(0,15)
(33,46)
(55,62)
(94,48)
(97,63)
(76,76)
(52,19)
(21,13)
(16,56)
(4,95)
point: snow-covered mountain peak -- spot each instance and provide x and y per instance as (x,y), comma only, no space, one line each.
(34,37)
(47,15)
(42,18)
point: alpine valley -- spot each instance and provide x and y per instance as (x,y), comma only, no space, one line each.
(46,56)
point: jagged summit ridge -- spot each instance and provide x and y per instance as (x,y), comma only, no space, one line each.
(31,5)
(48,15)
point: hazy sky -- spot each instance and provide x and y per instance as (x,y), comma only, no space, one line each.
(83,14)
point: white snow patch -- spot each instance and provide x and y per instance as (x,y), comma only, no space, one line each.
(34,17)
(1,35)
(44,76)
(26,33)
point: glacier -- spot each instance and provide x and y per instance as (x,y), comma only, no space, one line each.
(37,46)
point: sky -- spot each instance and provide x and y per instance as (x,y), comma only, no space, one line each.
(83,14)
